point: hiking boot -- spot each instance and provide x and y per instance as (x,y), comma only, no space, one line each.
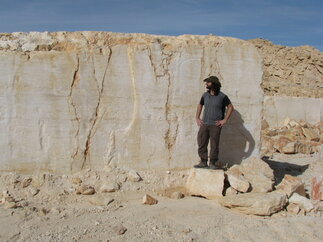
(202,164)
(214,165)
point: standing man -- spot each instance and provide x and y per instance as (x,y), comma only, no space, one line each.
(214,118)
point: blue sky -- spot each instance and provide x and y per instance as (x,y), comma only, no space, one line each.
(285,22)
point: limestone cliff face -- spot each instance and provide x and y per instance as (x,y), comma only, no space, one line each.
(79,100)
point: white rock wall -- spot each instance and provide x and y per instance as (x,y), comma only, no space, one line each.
(276,109)
(128,103)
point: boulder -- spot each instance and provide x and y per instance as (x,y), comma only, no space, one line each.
(149,200)
(237,179)
(255,203)
(302,202)
(206,183)
(258,174)
(291,184)
(317,188)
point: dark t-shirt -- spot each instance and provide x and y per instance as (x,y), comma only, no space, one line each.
(214,107)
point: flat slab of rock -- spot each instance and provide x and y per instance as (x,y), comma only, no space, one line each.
(291,184)
(255,203)
(206,183)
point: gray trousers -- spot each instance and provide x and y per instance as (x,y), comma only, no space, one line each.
(206,133)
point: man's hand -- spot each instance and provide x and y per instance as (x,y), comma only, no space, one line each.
(199,122)
(220,123)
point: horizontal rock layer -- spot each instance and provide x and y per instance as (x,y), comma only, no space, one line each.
(86,99)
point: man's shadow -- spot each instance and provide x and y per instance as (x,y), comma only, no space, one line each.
(236,142)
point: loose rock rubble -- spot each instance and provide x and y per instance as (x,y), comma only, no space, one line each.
(291,71)
(294,137)
(249,188)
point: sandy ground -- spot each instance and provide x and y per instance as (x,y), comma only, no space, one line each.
(56,213)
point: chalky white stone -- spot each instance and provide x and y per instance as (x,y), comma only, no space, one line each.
(78,100)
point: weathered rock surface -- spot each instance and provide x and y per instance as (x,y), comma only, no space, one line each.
(255,203)
(206,183)
(291,184)
(87,99)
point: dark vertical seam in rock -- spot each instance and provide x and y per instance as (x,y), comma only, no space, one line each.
(90,135)
(75,79)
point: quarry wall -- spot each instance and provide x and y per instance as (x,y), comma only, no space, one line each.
(71,101)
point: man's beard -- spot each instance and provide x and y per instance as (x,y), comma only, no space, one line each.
(209,87)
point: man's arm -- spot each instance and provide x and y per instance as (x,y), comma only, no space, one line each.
(198,114)
(222,122)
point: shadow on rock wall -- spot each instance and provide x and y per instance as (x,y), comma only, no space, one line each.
(236,142)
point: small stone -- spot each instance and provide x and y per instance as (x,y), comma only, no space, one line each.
(76,180)
(303,202)
(120,229)
(149,200)
(26,182)
(110,187)
(85,190)
(293,208)
(134,176)
(177,195)
(44,211)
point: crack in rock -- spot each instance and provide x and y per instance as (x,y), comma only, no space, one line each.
(96,115)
